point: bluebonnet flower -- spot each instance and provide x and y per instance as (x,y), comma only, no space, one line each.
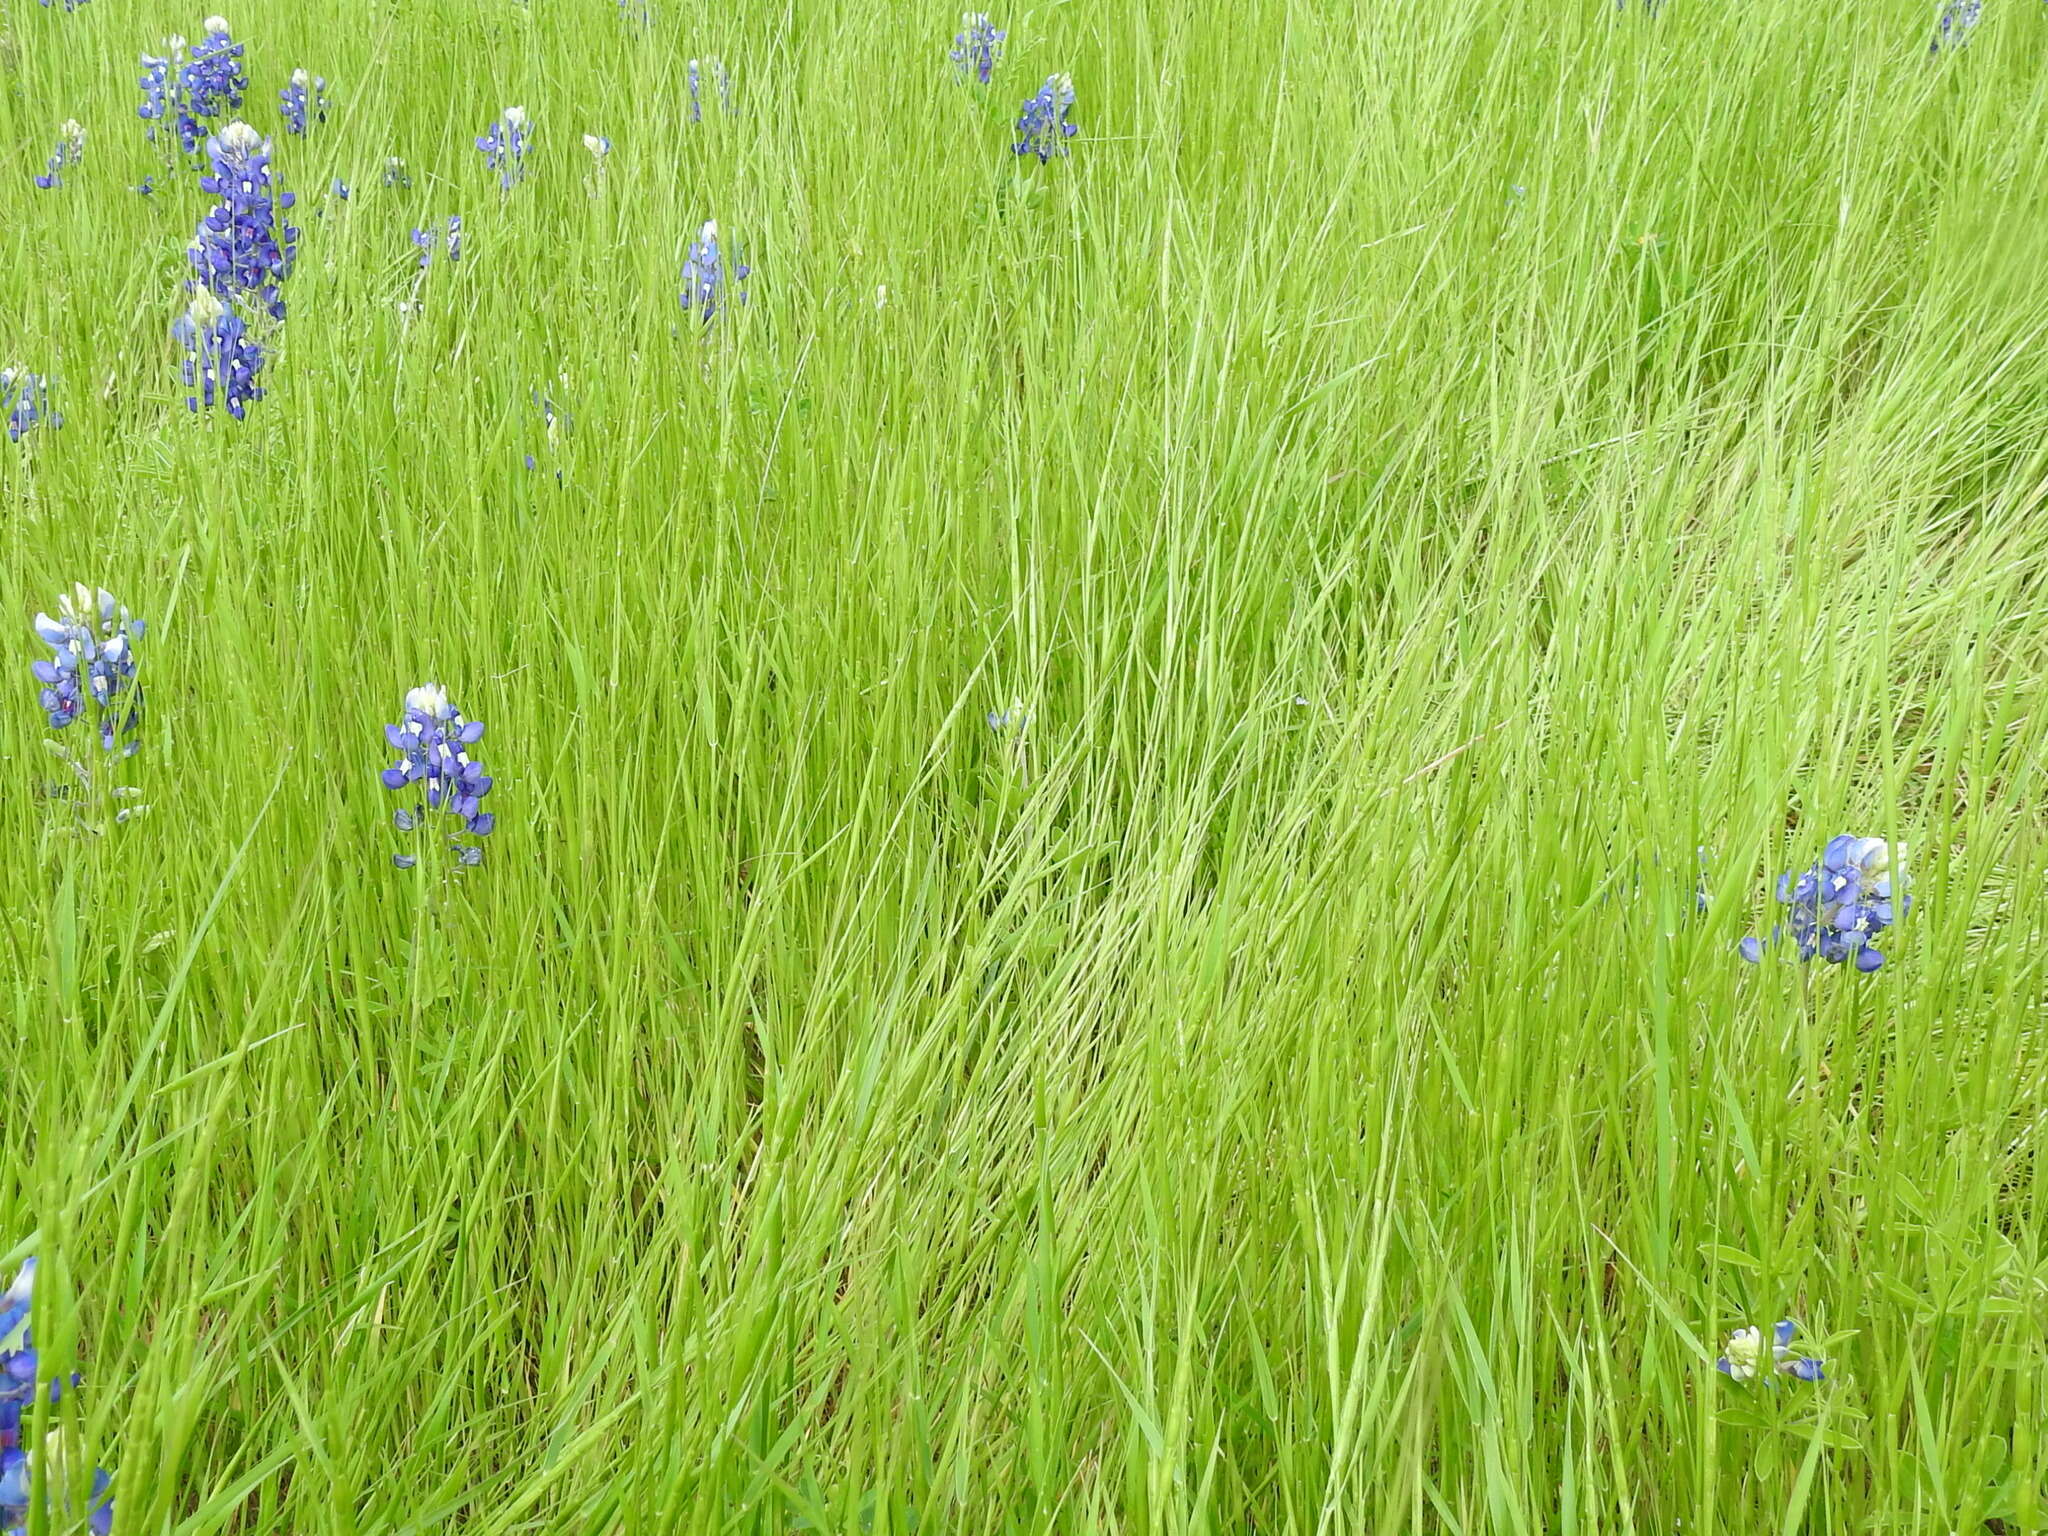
(719,76)
(557,420)
(1745,1354)
(211,84)
(424,240)
(433,742)
(25,401)
(18,1391)
(306,92)
(158,96)
(146,186)
(977,46)
(339,188)
(1004,721)
(1842,904)
(705,277)
(91,667)
(504,147)
(599,146)
(69,5)
(1958,19)
(395,174)
(221,358)
(70,150)
(240,249)
(1042,127)
(553,415)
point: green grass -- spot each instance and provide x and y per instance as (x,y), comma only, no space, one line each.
(1289,1088)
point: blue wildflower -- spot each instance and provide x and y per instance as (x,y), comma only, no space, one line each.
(70,150)
(1004,721)
(69,5)
(241,250)
(339,188)
(433,742)
(977,46)
(716,69)
(1958,19)
(25,402)
(18,1391)
(424,240)
(395,174)
(1042,127)
(706,278)
(146,186)
(1842,904)
(158,96)
(599,146)
(504,147)
(91,667)
(1745,1355)
(306,93)
(213,83)
(221,358)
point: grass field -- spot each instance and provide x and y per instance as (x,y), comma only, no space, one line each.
(1418,487)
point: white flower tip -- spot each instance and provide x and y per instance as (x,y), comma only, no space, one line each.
(881,295)
(516,116)
(597,144)
(72,129)
(23,1288)
(174,45)
(710,230)
(300,77)
(429,699)
(240,140)
(216,26)
(205,309)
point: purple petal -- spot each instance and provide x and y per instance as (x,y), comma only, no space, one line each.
(1868,959)
(1751,950)
(394,778)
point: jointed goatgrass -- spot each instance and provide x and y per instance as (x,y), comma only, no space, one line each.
(1423,475)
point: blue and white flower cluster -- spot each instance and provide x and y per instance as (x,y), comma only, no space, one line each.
(433,742)
(70,151)
(1744,1358)
(91,669)
(20,1470)
(25,401)
(1843,904)
(304,99)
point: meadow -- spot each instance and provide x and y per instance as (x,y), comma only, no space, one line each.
(1125,791)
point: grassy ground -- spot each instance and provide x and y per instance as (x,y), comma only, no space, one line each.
(1423,472)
